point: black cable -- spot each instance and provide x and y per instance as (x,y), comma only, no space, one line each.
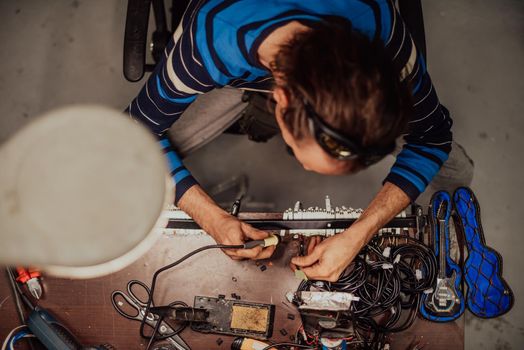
(385,284)
(24,297)
(155,330)
(154,336)
(16,296)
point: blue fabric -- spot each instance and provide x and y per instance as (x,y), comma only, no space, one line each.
(218,45)
(488,293)
(452,267)
(419,184)
(164,143)
(173,161)
(164,95)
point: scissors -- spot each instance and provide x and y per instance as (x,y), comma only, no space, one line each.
(139,305)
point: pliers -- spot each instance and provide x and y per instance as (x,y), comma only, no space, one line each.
(30,277)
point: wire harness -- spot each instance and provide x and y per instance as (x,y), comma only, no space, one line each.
(388,277)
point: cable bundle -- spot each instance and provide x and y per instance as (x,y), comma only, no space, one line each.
(388,279)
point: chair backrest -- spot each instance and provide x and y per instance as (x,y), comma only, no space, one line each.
(135,37)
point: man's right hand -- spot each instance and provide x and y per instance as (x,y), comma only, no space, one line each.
(223,227)
(232,231)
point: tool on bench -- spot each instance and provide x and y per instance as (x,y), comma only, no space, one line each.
(123,301)
(241,343)
(445,302)
(30,277)
(223,316)
(54,335)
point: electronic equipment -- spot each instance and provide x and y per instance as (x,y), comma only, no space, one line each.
(313,221)
(223,316)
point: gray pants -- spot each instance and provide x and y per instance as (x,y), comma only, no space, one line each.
(215,111)
(456,171)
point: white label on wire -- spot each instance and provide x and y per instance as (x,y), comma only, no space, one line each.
(397,259)
(418,274)
(387,266)
(428,291)
(386,252)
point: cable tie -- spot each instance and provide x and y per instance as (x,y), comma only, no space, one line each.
(387,252)
(429,291)
(418,274)
(387,266)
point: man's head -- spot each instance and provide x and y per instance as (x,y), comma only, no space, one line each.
(331,80)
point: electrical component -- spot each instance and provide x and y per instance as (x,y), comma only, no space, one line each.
(296,222)
(367,301)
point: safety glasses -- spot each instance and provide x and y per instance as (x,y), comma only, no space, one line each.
(339,146)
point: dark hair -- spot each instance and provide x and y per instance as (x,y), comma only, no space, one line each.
(349,81)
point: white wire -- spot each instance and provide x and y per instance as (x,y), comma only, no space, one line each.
(6,342)
(12,342)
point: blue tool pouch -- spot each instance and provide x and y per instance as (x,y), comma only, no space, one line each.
(488,294)
(453,272)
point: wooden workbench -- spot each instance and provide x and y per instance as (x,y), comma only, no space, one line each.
(85,306)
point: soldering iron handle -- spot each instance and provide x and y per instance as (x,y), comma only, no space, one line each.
(267,242)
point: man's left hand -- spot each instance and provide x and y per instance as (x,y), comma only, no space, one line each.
(329,258)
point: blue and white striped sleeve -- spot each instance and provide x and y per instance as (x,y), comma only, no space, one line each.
(175,83)
(429,137)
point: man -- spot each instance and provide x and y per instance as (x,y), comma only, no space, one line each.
(348,81)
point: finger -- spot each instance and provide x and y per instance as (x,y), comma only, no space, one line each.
(232,254)
(249,253)
(292,266)
(313,242)
(307,260)
(314,272)
(266,253)
(253,233)
(318,272)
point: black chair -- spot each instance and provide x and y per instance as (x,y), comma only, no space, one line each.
(136,34)
(137,20)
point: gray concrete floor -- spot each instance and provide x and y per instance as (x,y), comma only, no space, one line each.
(64,52)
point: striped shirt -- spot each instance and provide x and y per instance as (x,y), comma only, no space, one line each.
(216,45)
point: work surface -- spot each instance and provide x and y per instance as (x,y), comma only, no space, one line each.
(85,305)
